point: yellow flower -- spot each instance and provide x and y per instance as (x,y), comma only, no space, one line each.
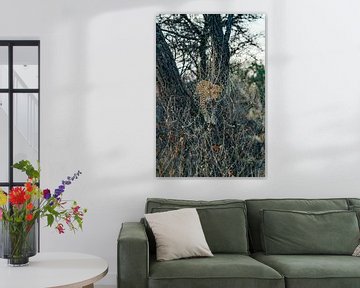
(3,198)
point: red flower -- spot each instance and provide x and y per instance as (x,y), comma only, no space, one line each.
(29,217)
(17,196)
(27,196)
(60,228)
(68,219)
(29,206)
(29,187)
(75,209)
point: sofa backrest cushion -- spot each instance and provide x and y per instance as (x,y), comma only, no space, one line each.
(255,206)
(353,202)
(223,221)
(298,232)
(356,209)
(354,205)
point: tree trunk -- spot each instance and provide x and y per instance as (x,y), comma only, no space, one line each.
(203,58)
(220,48)
(168,80)
(204,35)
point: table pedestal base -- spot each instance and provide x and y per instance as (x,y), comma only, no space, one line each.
(89,286)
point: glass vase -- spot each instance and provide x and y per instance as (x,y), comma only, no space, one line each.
(18,242)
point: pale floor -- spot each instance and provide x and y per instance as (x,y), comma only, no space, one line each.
(104,286)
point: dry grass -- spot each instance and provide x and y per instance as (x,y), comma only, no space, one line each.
(232,144)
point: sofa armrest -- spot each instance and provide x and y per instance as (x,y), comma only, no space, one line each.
(133,256)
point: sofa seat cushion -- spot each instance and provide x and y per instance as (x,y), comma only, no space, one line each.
(313,271)
(222,270)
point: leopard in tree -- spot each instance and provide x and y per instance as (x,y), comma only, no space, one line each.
(209,95)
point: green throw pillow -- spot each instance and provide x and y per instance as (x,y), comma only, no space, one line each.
(299,232)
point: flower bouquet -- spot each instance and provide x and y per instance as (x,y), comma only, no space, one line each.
(21,208)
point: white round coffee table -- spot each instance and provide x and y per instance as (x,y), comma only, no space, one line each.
(60,270)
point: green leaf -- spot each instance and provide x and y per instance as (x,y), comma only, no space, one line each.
(51,210)
(22,164)
(50,219)
(79,221)
(28,168)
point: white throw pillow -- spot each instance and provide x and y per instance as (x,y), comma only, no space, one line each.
(357,251)
(178,234)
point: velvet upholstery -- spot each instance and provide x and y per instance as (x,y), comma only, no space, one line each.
(355,206)
(295,232)
(133,256)
(223,221)
(137,269)
(222,270)
(353,202)
(255,206)
(315,271)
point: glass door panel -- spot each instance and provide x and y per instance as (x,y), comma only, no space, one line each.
(4,67)
(26,72)
(4,139)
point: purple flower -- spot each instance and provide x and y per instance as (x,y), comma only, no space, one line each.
(58,192)
(46,194)
(64,183)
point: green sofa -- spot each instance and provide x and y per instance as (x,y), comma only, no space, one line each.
(235,234)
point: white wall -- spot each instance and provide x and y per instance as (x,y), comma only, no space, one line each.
(98,105)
